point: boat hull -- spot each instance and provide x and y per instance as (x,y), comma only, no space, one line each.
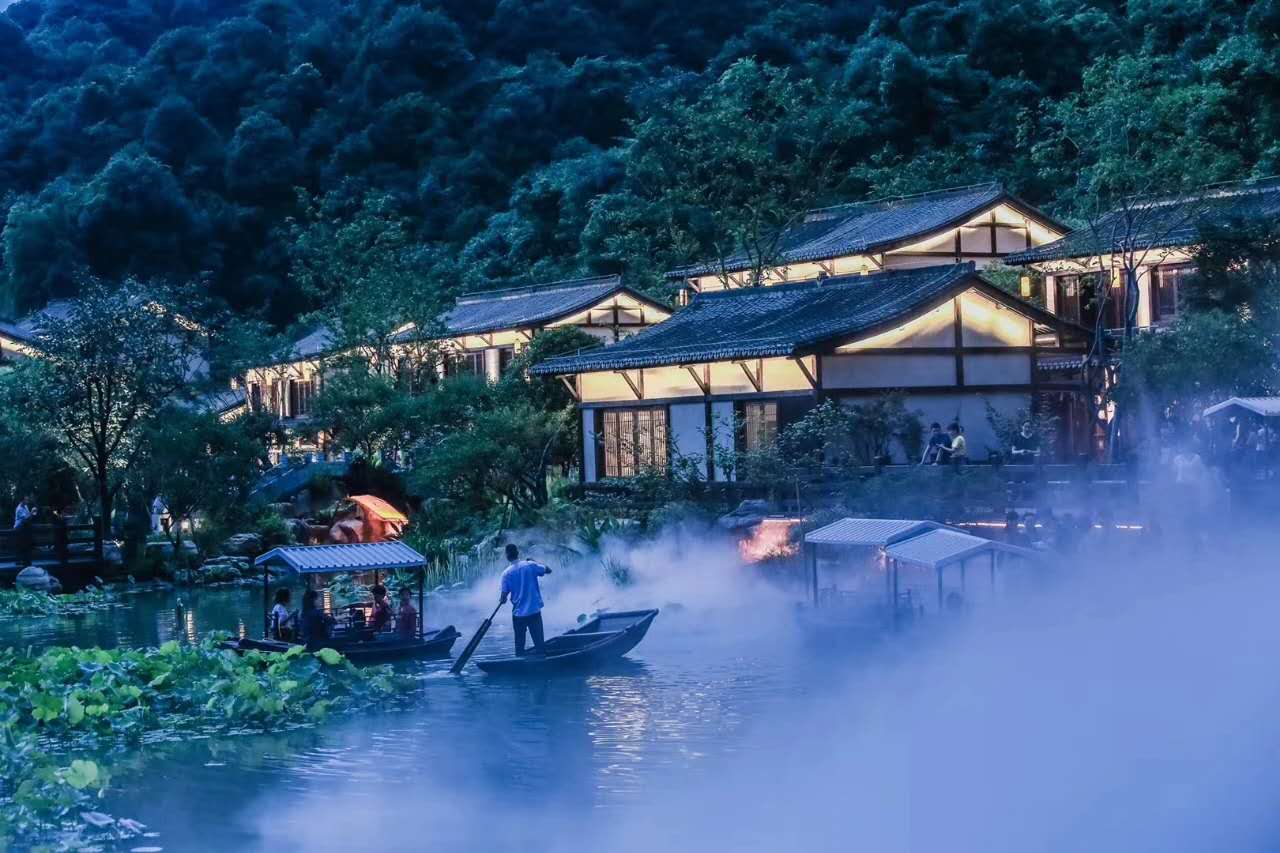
(595,644)
(382,649)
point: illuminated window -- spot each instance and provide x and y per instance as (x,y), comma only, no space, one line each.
(506,355)
(759,424)
(465,363)
(1167,280)
(635,441)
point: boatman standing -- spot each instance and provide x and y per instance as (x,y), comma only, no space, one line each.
(520,583)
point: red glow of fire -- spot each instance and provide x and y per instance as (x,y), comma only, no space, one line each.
(769,540)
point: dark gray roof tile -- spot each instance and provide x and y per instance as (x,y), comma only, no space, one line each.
(1162,222)
(872,226)
(781,320)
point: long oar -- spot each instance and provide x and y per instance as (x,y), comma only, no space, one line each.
(475,641)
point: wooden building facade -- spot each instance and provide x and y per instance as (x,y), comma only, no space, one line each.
(981,224)
(1158,238)
(481,335)
(735,366)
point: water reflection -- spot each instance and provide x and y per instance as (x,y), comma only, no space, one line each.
(474,752)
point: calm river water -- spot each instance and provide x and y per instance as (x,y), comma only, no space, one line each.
(477,763)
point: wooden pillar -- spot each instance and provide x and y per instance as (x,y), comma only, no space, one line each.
(422,608)
(266,602)
(811,551)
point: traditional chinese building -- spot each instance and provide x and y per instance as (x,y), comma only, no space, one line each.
(980,224)
(1155,237)
(480,335)
(735,366)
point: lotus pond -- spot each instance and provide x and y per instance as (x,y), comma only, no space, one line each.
(562,753)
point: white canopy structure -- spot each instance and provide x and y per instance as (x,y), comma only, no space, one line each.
(905,545)
(1267,407)
(868,532)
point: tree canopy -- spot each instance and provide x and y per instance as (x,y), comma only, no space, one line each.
(536,139)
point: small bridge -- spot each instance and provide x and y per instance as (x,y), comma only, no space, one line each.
(72,553)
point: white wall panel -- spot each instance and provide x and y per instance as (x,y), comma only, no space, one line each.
(689,432)
(887,371)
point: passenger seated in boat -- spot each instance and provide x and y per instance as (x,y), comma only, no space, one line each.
(283,623)
(381,609)
(316,624)
(407,615)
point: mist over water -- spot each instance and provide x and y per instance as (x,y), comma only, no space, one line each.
(1117,705)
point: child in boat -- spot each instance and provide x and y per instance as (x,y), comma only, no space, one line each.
(381,609)
(407,616)
(316,624)
(282,621)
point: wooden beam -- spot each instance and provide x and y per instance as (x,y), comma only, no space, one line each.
(804,368)
(637,389)
(959,328)
(572,385)
(756,379)
(703,382)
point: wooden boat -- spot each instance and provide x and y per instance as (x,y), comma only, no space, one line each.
(597,641)
(351,635)
(377,648)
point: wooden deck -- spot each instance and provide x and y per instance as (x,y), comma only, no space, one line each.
(73,553)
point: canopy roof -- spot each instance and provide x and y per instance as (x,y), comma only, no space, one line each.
(935,549)
(867,532)
(1162,223)
(376,506)
(335,559)
(1268,407)
(873,226)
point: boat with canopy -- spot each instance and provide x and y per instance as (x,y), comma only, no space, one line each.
(352,633)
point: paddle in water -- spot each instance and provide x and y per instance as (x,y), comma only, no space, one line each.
(475,641)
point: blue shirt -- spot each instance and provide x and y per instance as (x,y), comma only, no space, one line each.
(520,581)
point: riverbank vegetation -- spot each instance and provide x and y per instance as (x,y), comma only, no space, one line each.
(65,711)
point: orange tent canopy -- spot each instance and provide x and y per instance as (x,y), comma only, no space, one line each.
(378,508)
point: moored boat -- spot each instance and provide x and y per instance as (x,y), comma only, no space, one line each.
(605,638)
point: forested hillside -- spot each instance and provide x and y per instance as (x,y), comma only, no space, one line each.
(532,139)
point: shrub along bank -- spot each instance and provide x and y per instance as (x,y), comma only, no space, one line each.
(65,710)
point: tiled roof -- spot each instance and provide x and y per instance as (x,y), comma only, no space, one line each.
(872,226)
(781,320)
(220,402)
(1162,222)
(318,342)
(26,329)
(326,559)
(521,307)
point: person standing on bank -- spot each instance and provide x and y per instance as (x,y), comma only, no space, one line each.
(520,583)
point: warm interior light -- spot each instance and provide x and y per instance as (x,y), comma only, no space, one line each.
(1025,282)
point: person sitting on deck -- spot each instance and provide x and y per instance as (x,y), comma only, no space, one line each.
(1026,445)
(407,615)
(381,609)
(520,583)
(282,621)
(936,447)
(316,624)
(957,449)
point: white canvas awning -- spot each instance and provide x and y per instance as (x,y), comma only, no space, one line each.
(1267,407)
(868,532)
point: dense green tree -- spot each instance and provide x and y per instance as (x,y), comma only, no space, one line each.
(200,465)
(107,365)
